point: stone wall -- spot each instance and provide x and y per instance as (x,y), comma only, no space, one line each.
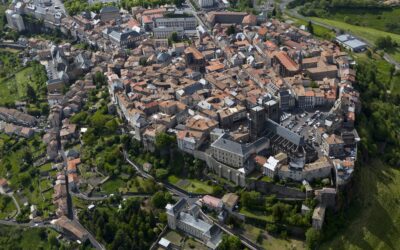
(278,190)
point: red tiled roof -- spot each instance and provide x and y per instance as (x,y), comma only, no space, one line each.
(286,61)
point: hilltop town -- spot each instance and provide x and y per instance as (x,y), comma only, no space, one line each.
(227,117)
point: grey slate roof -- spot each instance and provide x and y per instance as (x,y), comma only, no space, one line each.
(285,133)
(226,144)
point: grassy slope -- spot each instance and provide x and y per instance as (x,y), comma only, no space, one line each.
(376,19)
(366,33)
(383,72)
(376,221)
(14,88)
(272,243)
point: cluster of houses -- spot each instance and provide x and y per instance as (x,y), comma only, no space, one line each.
(223,96)
(221,89)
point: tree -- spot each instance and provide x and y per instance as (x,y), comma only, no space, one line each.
(312,238)
(143,61)
(385,43)
(273,13)
(99,79)
(31,94)
(161,173)
(230,243)
(217,190)
(53,240)
(230,30)
(260,237)
(174,38)
(310,27)
(112,126)
(178,3)
(252,200)
(160,199)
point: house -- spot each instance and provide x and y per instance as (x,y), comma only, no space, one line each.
(71,228)
(212,202)
(318,217)
(189,140)
(147,167)
(284,65)
(230,201)
(68,132)
(195,59)
(270,167)
(4,188)
(332,145)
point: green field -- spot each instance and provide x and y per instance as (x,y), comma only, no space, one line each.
(14,88)
(369,34)
(374,219)
(385,20)
(257,215)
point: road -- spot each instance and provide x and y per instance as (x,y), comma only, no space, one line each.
(294,13)
(200,21)
(100,198)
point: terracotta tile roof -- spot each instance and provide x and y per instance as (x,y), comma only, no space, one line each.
(286,61)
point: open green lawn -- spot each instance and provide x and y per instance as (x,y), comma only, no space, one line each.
(14,88)
(174,237)
(134,184)
(191,185)
(366,33)
(375,222)
(112,185)
(269,242)
(257,215)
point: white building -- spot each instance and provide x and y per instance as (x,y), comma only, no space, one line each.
(15,20)
(188,220)
(206,3)
(270,167)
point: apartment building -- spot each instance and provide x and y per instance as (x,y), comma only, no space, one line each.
(166,32)
(187,23)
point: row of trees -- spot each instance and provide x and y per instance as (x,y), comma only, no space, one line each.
(322,8)
(386,43)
